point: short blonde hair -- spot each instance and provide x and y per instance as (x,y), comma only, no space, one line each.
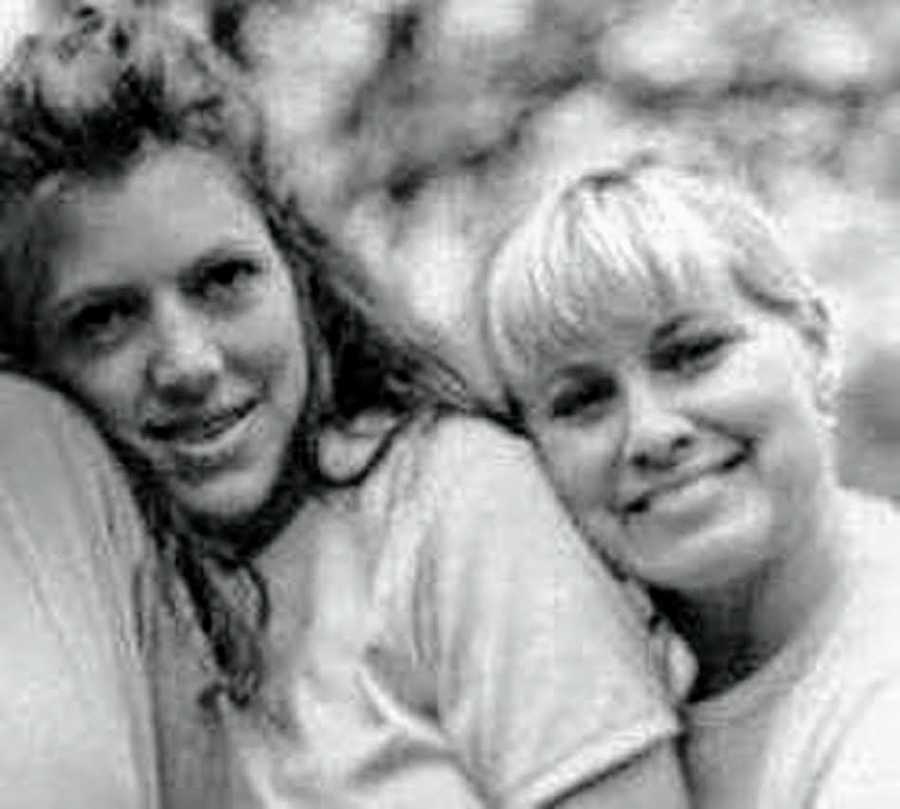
(624,240)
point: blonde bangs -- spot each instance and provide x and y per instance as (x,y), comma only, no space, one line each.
(590,259)
(627,246)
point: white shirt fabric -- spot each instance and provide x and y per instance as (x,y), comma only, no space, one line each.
(75,725)
(442,638)
(819,727)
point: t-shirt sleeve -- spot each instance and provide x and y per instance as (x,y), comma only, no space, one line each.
(544,678)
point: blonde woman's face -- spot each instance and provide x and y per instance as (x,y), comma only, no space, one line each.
(174,318)
(688,441)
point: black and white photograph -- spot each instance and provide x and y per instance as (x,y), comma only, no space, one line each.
(449,404)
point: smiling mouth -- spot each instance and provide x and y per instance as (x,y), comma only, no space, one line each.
(198,429)
(643,503)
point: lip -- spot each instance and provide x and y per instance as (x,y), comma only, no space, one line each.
(198,426)
(643,501)
(203,439)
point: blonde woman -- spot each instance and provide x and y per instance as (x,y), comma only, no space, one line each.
(674,368)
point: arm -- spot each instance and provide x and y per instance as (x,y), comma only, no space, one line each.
(74,719)
(545,672)
(865,772)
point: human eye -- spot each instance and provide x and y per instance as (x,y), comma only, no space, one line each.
(98,325)
(581,398)
(692,352)
(225,280)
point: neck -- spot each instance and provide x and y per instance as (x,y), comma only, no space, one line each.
(235,540)
(737,628)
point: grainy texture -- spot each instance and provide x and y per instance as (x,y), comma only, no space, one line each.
(417,129)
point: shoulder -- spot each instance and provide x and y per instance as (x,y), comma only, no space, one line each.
(448,476)
(432,481)
(469,502)
(31,406)
(46,433)
(870,517)
(467,438)
(862,769)
(870,566)
(852,654)
(456,454)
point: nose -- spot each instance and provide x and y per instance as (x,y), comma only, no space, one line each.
(186,360)
(658,435)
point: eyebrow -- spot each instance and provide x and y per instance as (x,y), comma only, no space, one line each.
(674,325)
(210,258)
(65,307)
(219,253)
(231,251)
(576,371)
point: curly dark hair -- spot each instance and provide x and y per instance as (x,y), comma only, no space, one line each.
(83,103)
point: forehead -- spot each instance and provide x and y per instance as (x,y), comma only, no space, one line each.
(171,209)
(625,330)
(596,307)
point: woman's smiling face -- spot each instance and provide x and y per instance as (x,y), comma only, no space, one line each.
(688,440)
(173,316)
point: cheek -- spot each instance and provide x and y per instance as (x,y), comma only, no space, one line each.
(269,332)
(274,343)
(783,410)
(109,386)
(582,471)
(796,452)
(580,465)
(778,414)
(766,392)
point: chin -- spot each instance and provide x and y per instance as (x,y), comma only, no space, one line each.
(727,552)
(227,501)
(714,561)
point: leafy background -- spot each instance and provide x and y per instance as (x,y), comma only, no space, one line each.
(417,129)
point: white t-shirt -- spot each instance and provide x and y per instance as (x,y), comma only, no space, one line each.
(819,727)
(75,725)
(442,638)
